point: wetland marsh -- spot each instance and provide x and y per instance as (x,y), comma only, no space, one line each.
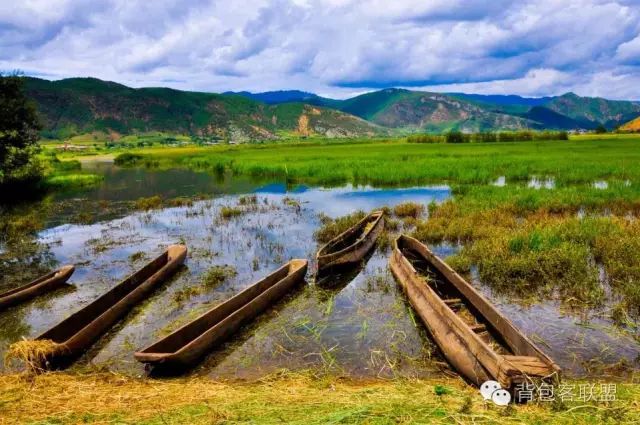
(240,226)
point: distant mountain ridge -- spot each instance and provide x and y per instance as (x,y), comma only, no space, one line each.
(82,105)
(78,105)
(279,96)
(424,111)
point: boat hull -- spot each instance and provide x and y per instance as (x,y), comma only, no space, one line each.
(80,330)
(184,347)
(40,286)
(355,252)
(462,347)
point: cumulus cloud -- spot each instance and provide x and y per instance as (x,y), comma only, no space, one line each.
(333,47)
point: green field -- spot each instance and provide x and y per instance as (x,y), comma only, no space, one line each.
(395,162)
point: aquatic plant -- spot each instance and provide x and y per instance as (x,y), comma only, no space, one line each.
(70,181)
(127,159)
(408,209)
(150,203)
(218,274)
(330,228)
(228,212)
(528,251)
(248,200)
(137,256)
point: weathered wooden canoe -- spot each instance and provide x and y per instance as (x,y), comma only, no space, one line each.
(185,346)
(77,332)
(478,341)
(352,245)
(43,284)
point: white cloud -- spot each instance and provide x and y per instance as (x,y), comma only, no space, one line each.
(537,82)
(334,47)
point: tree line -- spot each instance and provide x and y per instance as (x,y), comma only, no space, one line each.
(19,133)
(488,137)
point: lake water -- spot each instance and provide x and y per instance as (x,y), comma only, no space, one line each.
(358,325)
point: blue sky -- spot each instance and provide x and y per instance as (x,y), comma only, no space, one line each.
(332,47)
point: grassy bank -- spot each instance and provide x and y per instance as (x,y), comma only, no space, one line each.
(396,162)
(287,398)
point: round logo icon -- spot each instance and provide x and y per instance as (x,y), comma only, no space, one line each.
(488,388)
(501,397)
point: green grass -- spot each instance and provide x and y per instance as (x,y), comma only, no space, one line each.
(396,162)
(72,181)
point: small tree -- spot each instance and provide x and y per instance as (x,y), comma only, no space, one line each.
(19,126)
(601,129)
(455,136)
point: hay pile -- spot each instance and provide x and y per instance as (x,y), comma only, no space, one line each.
(33,353)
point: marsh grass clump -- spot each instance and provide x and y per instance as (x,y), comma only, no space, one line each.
(392,224)
(33,353)
(211,279)
(330,228)
(137,256)
(248,200)
(180,201)
(72,181)
(128,159)
(227,212)
(548,251)
(385,240)
(184,294)
(217,275)
(408,209)
(150,203)
(291,202)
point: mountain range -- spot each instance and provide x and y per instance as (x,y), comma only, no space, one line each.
(82,105)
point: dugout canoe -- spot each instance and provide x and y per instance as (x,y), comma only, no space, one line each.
(352,245)
(42,285)
(476,339)
(187,345)
(79,331)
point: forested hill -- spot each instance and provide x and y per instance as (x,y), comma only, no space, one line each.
(82,105)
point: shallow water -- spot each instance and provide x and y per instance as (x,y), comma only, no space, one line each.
(540,183)
(360,326)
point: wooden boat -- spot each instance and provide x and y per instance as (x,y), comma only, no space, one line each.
(77,332)
(186,345)
(43,284)
(478,341)
(352,245)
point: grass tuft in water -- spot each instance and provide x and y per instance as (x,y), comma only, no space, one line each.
(408,209)
(217,275)
(330,227)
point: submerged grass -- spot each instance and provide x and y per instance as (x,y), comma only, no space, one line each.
(218,274)
(215,276)
(282,398)
(330,227)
